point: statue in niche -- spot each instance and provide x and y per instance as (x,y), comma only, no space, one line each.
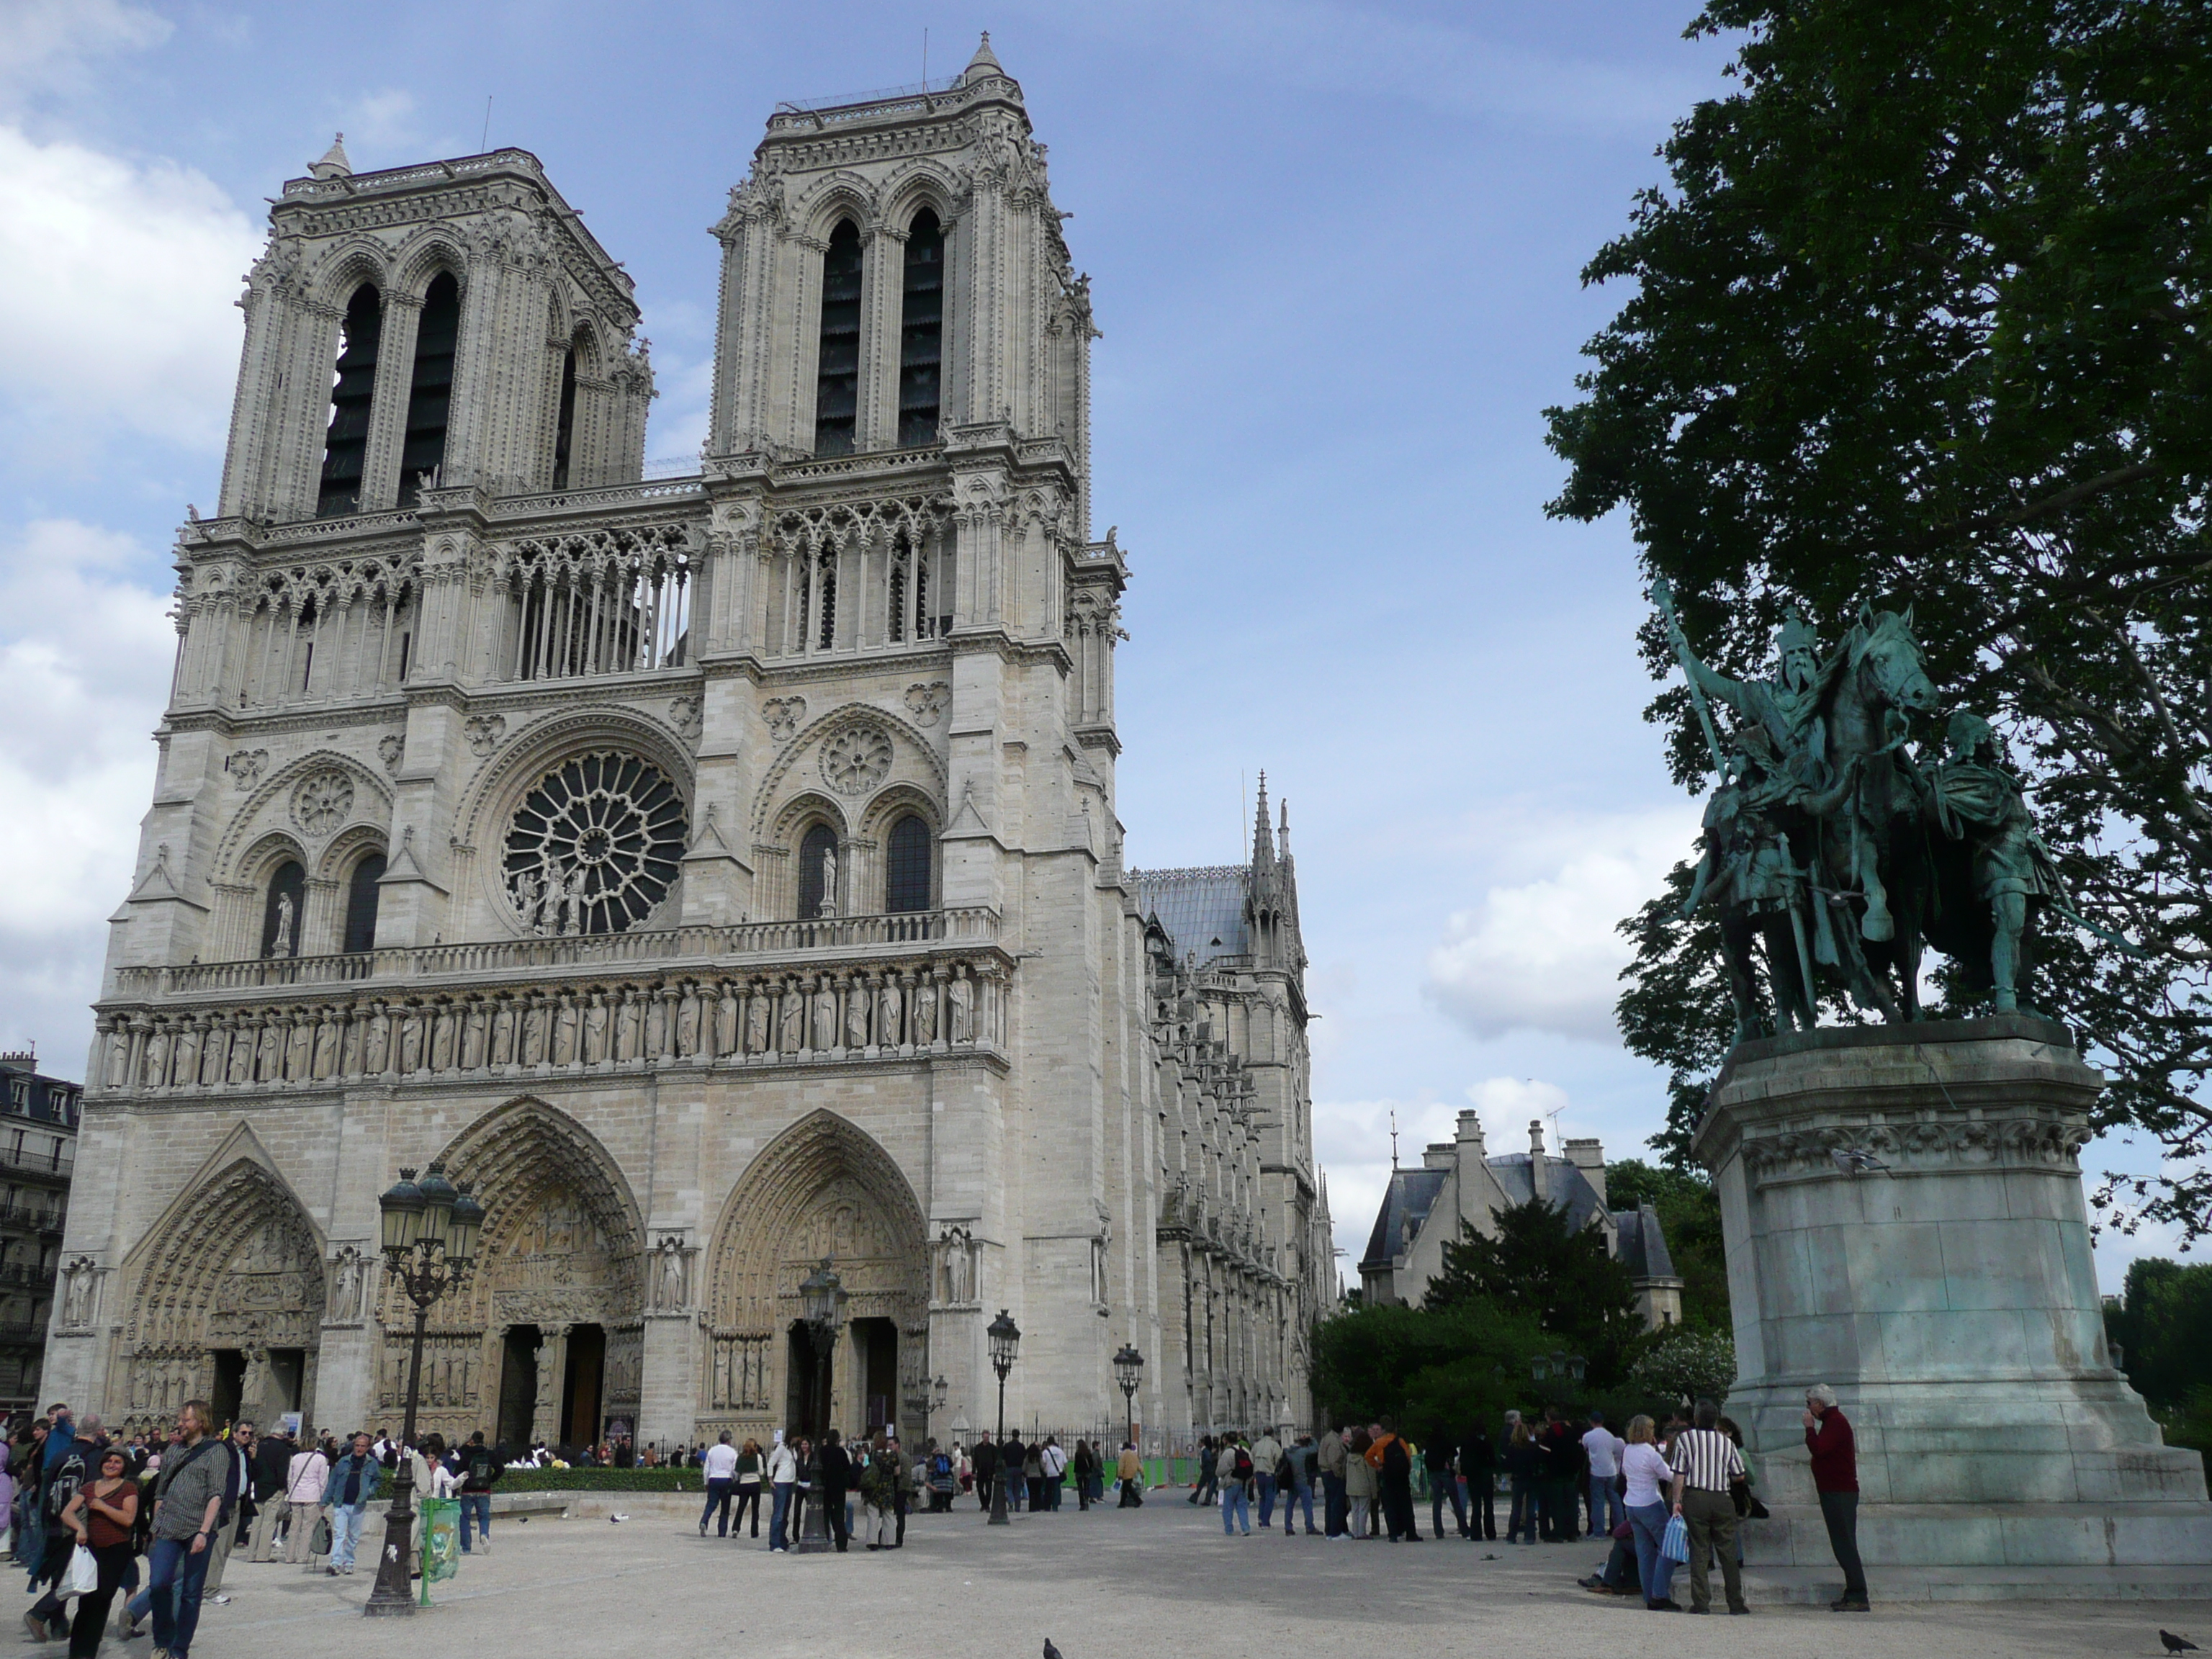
(670,1295)
(959,996)
(326,1048)
(157,1058)
(828,907)
(572,902)
(856,1016)
(889,1009)
(792,1037)
(529,893)
(474,1037)
(345,1285)
(925,1012)
(533,1032)
(502,1033)
(629,1027)
(268,1061)
(77,1301)
(959,1253)
(188,1052)
(725,1021)
(441,1039)
(564,1033)
(595,1029)
(374,1046)
(757,1013)
(825,1016)
(240,1058)
(281,944)
(300,1047)
(687,1022)
(410,1040)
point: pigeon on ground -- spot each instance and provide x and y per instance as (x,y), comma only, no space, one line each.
(1050,1651)
(616,1520)
(2176,1644)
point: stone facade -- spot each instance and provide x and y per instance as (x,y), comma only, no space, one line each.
(38,1154)
(1905,1220)
(1460,1183)
(719,873)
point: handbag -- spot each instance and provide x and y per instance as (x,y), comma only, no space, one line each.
(318,1542)
(1675,1543)
(1748,1507)
(83,1575)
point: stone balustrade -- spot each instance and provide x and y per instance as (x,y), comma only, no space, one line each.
(835,991)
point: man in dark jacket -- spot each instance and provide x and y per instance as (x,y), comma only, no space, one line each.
(983,1459)
(481,1468)
(1835,1479)
(1478,1467)
(1397,1487)
(836,1481)
(1012,1454)
(1444,1484)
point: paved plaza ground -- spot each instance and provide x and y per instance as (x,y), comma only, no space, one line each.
(1110,1585)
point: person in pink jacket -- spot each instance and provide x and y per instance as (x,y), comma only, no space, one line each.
(304,1481)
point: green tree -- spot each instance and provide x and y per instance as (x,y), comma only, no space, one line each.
(1920,315)
(1687,1365)
(1559,1275)
(2163,1324)
(1689,1212)
(1422,1366)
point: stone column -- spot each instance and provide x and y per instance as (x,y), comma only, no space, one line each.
(546,1423)
(1904,1219)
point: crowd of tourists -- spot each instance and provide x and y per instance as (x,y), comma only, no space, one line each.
(145,1527)
(1662,1496)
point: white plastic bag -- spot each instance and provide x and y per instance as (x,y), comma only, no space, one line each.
(83,1575)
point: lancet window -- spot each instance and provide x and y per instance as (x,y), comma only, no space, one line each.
(854,578)
(430,389)
(609,602)
(345,445)
(922,332)
(837,364)
(361,892)
(564,426)
(906,866)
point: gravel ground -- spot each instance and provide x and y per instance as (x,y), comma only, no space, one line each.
(1112,1583)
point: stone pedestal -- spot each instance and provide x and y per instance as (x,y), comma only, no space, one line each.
(1905,1220)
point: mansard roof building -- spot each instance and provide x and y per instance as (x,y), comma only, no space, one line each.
(719,874)
(1458,1182)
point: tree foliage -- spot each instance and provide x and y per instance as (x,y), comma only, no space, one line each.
(2163,1324)
(1428,1369)
(1689,1212)
(1687,1365)
(1920,316)
(1558,1275)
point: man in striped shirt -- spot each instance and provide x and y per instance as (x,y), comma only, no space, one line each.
(1705,1461)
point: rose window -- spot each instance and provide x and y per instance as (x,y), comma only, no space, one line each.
(319,804)
(856,759)
(593,847)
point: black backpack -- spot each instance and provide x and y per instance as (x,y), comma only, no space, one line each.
(62,1483)
(1243,1464)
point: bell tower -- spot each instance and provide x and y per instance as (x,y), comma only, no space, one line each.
(448,323)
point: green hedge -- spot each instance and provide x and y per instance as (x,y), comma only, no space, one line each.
(602,1480)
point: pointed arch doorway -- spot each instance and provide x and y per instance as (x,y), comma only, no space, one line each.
(823,1189)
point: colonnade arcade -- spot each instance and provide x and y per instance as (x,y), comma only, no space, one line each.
(228,1296)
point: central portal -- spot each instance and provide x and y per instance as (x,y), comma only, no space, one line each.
(580,1389)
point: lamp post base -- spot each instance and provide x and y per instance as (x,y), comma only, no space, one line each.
(394,1595)
(816,1540)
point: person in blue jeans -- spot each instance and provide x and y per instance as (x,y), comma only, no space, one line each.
(356,1480)
(481,1467)
(1236,1491)
(1649,1475)
(782,1477)
(187,1508)
(1300,1490)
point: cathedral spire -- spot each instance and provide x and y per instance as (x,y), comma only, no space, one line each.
(334,164)
(985,61)
(1263,841)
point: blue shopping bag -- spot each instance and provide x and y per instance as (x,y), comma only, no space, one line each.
(1675,1543)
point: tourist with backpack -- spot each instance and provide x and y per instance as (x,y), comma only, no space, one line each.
(188,1503)
(481,1468)
(1232,1466)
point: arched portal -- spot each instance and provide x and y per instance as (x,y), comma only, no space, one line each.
(547,1341)
(228,1303)
(822,1187)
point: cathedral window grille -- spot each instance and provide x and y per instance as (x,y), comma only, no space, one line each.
(345,444)
(906,869)
(280,911)
(817,874)
(922,332)
(430,390)
(617,606)
(823,607)
(837,365)
(361,893)
(595,848)
(564,428)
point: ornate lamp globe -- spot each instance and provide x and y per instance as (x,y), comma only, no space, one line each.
(821,1296)
(403,1206)
(1006,1341)
(463,1229)
(1128,1367)
(438,1196)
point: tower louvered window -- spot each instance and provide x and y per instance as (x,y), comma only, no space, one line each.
(345,447)
(361,894)
(430,390)
(837,369)
(564,430)
(922,332)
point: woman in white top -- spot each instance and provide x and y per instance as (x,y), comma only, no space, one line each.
(304,1480)
(1648,1477)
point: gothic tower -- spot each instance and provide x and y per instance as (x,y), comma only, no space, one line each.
(720,873)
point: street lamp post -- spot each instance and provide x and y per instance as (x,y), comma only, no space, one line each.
(927,1400)
(821,1298)
(429,1244)
(1006,1341)
(1129,1368)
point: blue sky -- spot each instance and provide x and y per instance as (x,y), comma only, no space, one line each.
(1334,251)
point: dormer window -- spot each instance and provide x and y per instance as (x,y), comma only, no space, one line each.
(837,366)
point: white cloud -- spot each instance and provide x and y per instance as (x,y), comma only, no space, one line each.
(43,43)
(383,119)
(1543,955)
(117,283)
(85,659)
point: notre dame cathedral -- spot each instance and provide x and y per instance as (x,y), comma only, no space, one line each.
(717,873)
